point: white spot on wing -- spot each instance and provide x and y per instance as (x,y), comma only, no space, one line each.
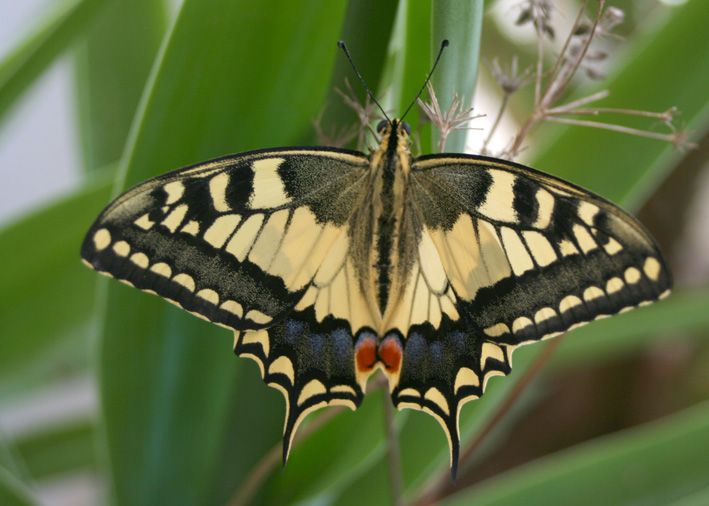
(233,307)
(516,252)
(497,330)
(121,248)
(269,240)
(593,292)
(217,190)
(140,259)
(162,269)
(545,210)
(268,190)
(489,351)
(632,275)
(314,387)
(587,212)
(144,222)
(541,248)
(614,285)
(257,336)
(283,365)
(191,228)
(584,239)
(222,228)
(652,268)
(568,302)
(431,266)
(612,246)
(174,191)
(174,219)
(567,248)
(208,295)
(258,317)
(185,280)
(466,377)
(102,238)
(499,199)
(241,242)
(435,396)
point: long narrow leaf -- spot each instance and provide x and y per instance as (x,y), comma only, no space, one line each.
(67,21)
(459,21)
(234,76)
(113,64)
(651,464)
(43,276)
(13,492)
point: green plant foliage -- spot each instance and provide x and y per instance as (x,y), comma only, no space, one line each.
(653,464)
(180,420)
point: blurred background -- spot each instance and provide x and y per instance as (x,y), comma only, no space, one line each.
(109,397)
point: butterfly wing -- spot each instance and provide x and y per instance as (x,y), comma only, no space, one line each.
(240,241)
(508,255)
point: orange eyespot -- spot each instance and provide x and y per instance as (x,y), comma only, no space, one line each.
(390,353)
(366,354)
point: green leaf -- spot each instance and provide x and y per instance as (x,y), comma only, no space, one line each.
(367,27)
(233,76)
(652,464)
(113,64)
(67,20)
(13,492)
(58,449)
(47,278)
(416,61)
(328,461)
(459,21)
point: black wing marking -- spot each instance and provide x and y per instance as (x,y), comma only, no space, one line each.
(522,256)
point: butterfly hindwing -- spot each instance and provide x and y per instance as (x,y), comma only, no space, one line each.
(508,256)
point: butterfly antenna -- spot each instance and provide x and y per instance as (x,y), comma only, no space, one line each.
(342,46)
(444,45)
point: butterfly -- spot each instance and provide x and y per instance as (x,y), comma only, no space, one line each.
(330,264)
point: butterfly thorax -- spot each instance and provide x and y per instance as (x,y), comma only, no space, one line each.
(381,227)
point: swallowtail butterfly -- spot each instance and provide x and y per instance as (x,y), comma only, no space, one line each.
(329,264)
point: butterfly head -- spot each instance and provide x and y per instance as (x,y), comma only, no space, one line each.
(393,124)
(394,135)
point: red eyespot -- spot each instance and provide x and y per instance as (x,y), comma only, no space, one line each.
(366,354)
(390,353)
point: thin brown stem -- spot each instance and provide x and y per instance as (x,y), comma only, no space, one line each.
(540,64)
(553,97)
(500,112)
(665,116)
(434,494)
(557,66)
(581,101)
(616,128)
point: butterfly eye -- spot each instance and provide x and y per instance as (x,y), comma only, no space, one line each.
(406,127)
(381,125)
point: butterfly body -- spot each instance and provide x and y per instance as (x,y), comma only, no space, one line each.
(330,264)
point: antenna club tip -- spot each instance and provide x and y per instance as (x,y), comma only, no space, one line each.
(341,44)
(443,44)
